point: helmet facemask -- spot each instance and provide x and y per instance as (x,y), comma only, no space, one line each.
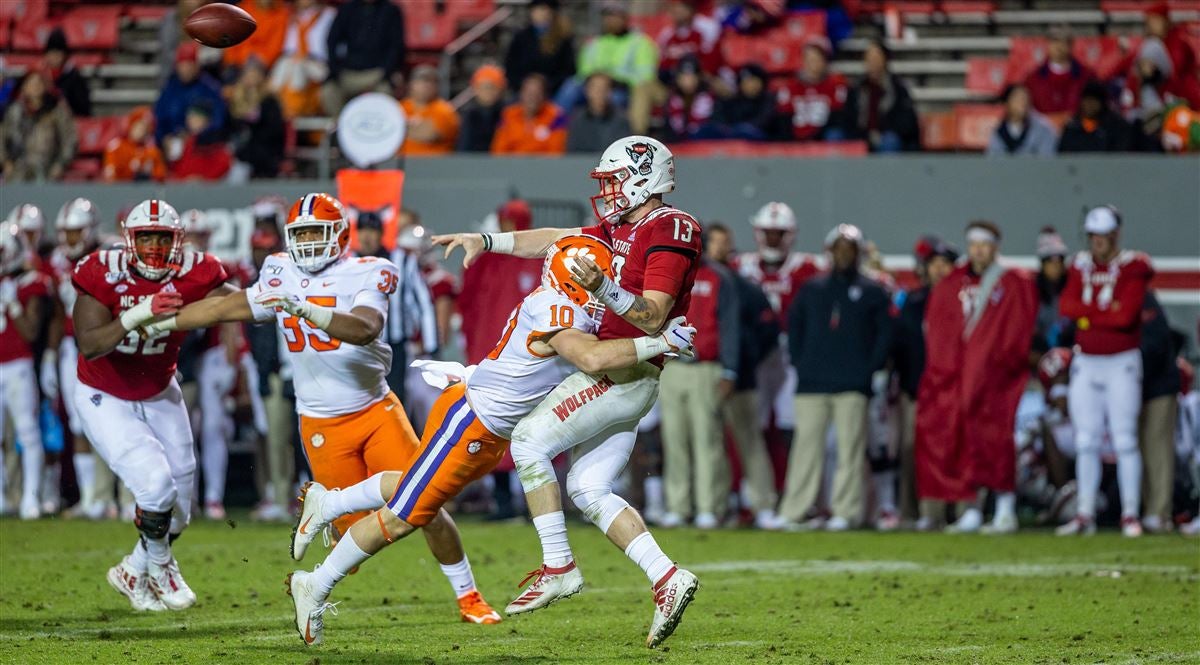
(313,255)
(613,201)
(157,260)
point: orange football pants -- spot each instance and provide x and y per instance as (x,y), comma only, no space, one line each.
(346,450)
(456,450)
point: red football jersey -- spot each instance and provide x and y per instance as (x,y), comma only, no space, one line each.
(780,283)
(809,105)
(139,368)
(442,283)
(1105,301)
(62,269)
(28,285)
(637,247)
(241,274)
(700,40)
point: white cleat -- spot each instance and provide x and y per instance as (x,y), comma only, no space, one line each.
(1078,526)
(270,512)
(707,521)
(308,521)
(1131,526)
(132,584)
(836,524)
(310,611)
(767,520)
(30,510)
(168,584)
(970,522)
(672,595)
(551,584)
(671,521)
(1001,525)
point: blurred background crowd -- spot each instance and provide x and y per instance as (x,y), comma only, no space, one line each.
(116,91)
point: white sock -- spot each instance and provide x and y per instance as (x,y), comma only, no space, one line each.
(85,472)
(138,558)
(1087,482)
(51,480)
(460,576)
(32,459)
(158,550)
(653,487)
(885,490)
(646,553)
(1006,505)
(364,495)
(344,557)
(1129,481)
(552,531)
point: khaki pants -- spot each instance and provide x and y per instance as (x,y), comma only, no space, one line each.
(1156,436)
(281,464)
(349,84)
(848,411)
(908,466)
(694,461)
(741,414)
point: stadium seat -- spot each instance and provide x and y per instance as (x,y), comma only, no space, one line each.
(1113,6)
(651,24)
(93,27)
(974,124)
(430,32)
(20,11)
(5,33)
(95,133)
(986,75)
(774,51)
(952,7)
(801,25)
(470,10)
(938,131)
(1102,53)
(1024,55)
(83,169)
(759,149)
(144,12)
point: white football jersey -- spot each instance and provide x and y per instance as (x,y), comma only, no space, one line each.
(514,379)
(332,378)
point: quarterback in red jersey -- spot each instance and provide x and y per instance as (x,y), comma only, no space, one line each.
(128,400)
(656,253)
(23,293)
(1103,296)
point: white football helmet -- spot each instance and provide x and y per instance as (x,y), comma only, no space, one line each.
(848,232)
(630,171)
(78,214)
(12,247)
(774,217)
(154,216)
(28,219)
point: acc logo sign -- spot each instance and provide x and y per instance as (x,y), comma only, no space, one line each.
(318,440)
(371,129)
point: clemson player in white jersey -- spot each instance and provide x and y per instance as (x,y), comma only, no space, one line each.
(331,309)
(550,334)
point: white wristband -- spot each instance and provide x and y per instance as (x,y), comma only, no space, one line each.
(168,324)
(499,243)
(614,297)
(650,347)
(135,316)
(319,316)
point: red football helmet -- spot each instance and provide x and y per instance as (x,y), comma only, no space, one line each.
(322,212)
(556,273)
(1053,365)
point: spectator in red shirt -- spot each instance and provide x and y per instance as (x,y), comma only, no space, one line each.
(1150,88)
(689,105)
(809,106)
(1057,85)
(1184,59)
(204,156)
(689,35)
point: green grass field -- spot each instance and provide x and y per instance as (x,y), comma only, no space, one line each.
(764,597)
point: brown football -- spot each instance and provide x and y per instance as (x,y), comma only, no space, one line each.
(219,25)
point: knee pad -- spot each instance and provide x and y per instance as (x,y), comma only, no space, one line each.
(1125,443)
(534,468)
(1086,445)
(599,505)
(153,525)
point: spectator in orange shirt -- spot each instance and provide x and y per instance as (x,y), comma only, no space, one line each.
(266,42)
(134,157)
(531,126)
(432,122)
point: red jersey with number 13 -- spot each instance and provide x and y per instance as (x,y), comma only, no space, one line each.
(139,368)
(660,252)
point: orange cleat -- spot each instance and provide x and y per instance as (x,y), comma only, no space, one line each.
(474,609)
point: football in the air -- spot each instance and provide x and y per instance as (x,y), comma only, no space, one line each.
(219,25)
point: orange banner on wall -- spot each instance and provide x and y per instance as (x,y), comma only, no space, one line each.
(379,192)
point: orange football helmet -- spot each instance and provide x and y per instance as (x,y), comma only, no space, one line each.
(557,275)
(323,212)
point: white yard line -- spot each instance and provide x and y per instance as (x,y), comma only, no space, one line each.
(823,567)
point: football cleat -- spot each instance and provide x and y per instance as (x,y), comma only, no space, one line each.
(474,609)
(30,510)
(1000,525)
(707,521)
(1131,526)
(308,522)
(672,594)
(1080,525)
(551,584)
(310,611)
(836,523)
(269,511)
(132,584)
(167,583)
(888,521)
(214,510)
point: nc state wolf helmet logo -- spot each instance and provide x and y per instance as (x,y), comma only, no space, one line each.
(642,155)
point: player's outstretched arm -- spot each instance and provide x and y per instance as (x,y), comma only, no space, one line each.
(592,355)
(225,304)
(97,332)
(529,244)
(360,326)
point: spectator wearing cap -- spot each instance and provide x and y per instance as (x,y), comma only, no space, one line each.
(689,105)
(67,80)
(809,107)
(202,153)
(1057,84)
(1185,61)
(369,233)
(935,258)
(1157,421)
(366,51)
(879,108)
(545,46)
(257,125)
(266,42)
(627,56)
(694,464)
(186,86)
(38,140)
(531,126)
(1022,132)
(303,65)
(134,157)
(746,114)
(598,122)
(1096,127)
(1052,329)
(839,334)
(740,410)
(432,121)
(481,115)
(690,35)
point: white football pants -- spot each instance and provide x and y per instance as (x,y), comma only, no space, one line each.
(19,402)
(1107,390)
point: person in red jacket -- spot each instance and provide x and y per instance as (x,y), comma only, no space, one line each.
(1057,85)
(1105,290)
(204,155)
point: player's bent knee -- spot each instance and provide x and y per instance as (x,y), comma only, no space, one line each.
(534,468)
(393,528)
(153,524)
(599,505)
